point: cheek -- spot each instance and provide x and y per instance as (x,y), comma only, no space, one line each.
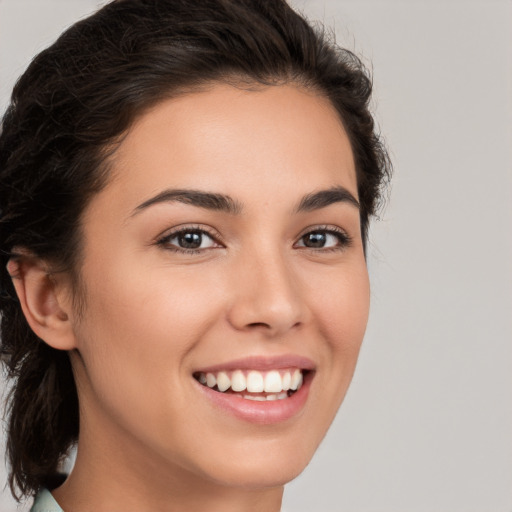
(150,306)
(342,315)
(138,328)
(342,309)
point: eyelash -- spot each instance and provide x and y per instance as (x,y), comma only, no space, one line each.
(344,240)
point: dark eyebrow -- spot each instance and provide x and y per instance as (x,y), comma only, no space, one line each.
(324,198)
(207,200)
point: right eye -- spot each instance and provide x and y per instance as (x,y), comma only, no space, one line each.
(189,241)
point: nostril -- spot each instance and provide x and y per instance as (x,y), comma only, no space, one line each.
(259,324)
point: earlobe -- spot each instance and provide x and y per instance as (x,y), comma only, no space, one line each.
(39,293)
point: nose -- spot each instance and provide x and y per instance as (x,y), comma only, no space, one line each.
(266,296)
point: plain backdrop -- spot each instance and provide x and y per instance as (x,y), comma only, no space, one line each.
(427,423)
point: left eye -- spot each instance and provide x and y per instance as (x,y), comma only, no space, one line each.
(190,239)
(321,240)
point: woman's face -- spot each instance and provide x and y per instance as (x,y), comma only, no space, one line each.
(225,248)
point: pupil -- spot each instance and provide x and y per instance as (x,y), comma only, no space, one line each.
(315,240)
(190,240)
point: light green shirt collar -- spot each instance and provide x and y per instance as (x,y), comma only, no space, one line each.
(45,502)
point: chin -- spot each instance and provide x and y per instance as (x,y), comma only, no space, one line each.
(254,477)
(261,464)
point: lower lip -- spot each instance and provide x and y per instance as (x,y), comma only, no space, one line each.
(264,413)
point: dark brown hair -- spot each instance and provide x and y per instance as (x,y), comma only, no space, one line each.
(76,100)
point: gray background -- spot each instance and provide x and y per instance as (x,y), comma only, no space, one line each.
(427,424)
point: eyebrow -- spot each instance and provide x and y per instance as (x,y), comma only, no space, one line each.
(207,200)
(224,203)
(324,198)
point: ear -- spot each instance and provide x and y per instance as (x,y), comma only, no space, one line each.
(44,300)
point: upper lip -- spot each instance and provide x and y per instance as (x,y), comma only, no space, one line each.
(262,363)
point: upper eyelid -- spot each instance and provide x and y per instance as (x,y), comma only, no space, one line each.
(324,227)
(165,235)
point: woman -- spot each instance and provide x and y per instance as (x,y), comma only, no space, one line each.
(185,195)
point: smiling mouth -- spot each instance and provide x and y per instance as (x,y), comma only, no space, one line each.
(253,384)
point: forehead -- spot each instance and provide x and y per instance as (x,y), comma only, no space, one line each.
(236,141)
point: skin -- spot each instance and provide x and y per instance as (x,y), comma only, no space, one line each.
(149,439)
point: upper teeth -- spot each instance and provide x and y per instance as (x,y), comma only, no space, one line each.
(253,381)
